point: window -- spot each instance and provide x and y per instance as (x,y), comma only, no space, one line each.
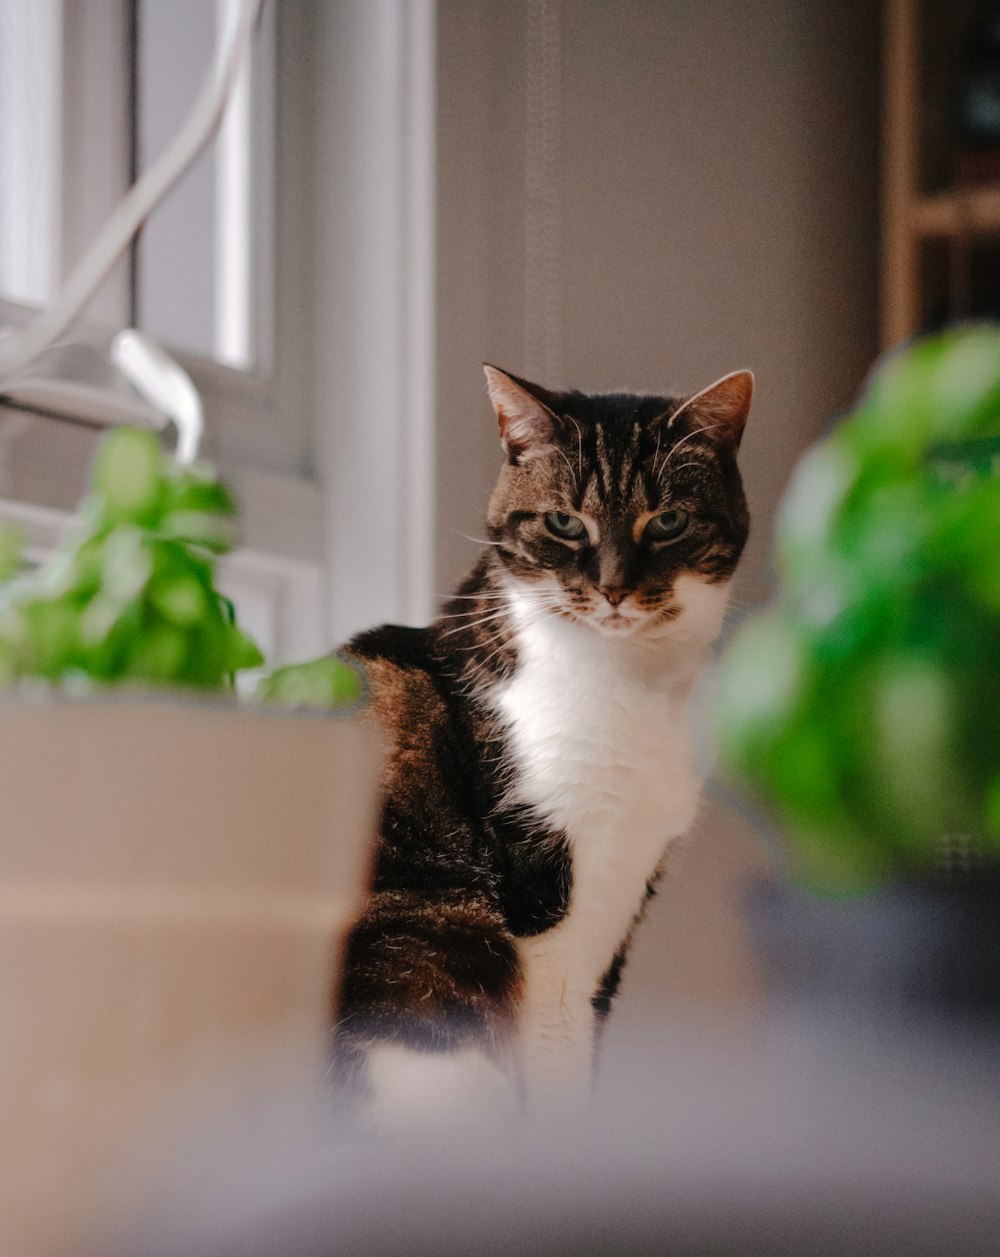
(202,266)
(89,98)
(293,281)
(85,107)
(30,97)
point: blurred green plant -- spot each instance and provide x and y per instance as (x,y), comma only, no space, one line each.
(864,706)
(129,595)
(332,681)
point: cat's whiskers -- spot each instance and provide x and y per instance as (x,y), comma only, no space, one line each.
(495,599)
(541,597)
(497,614)
(492,593)
(738,606)
(464,616)
(542,600)
(482,663)
(732,617)
(543,612)
(480,541)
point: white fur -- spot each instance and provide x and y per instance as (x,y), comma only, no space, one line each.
(600,732)
(412,1089)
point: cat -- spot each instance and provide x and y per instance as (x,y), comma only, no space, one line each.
(540,758)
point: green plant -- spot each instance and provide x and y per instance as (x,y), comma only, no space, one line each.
(129,595)
(331,681)
(865,704)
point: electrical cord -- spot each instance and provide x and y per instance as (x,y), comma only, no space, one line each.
(163,383)
(19,349)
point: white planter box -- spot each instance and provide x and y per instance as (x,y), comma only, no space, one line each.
(175,883)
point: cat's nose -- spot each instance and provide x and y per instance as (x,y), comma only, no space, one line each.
(615,594)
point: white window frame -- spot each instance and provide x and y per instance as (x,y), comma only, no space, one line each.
(94,170)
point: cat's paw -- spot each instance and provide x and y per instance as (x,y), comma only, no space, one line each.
(412,1089)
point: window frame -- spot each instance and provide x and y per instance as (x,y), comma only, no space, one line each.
(96,166)
(346,402)
(241,405)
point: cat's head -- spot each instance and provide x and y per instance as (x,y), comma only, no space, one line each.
(623,512)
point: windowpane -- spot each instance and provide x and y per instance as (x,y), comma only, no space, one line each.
(30,142)
(196,283)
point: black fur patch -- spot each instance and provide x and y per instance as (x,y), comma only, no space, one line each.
(608,989)
(535,873)
(429,974)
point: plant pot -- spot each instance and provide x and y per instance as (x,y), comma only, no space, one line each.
(923,956)
(176,880)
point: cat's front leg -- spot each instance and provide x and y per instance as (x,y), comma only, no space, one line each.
(556,1022)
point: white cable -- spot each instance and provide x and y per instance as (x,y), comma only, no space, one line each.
(164,384)
(18,349)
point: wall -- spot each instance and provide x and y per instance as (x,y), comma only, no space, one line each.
(710,170)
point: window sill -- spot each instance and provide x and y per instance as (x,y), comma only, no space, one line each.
(44,462)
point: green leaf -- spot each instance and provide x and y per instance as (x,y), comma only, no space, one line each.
(11,545)
(195,493)
(243,651)
(866,703)
(330,682)
(180,599)
(128,474)
(159,653)
(130,592)
(201,528)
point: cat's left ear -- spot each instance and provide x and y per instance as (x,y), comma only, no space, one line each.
(721,409)
(527,425)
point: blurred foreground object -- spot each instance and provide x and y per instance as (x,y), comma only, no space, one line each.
(331,681)
(176,883)
(864,707)
(796,1146)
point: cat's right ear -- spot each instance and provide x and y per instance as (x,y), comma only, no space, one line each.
(527,425)
(720,409)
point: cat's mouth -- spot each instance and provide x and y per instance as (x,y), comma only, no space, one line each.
(618,621)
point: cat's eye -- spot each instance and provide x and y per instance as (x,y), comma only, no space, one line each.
(667,526)
(566,527)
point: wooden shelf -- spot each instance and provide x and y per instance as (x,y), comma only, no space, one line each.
(962,212)
(940,250)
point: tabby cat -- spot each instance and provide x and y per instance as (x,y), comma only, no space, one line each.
(540,754)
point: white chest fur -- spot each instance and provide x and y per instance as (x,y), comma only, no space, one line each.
(599,731)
